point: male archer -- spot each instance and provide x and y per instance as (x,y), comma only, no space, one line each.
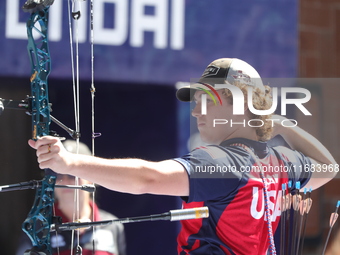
(242,204)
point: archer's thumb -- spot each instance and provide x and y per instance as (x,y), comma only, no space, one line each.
(32,143)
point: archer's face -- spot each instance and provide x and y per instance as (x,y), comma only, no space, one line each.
(213,133)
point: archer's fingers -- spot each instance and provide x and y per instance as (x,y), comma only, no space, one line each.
(43,141)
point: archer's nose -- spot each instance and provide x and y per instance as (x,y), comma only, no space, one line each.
(196,112)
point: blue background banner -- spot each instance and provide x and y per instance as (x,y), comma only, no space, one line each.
(161,41)
(142,49)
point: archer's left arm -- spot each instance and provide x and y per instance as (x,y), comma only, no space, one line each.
(324,167)
(130,175)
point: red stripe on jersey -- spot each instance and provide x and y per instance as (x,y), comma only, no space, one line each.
(189,227)
(225,250)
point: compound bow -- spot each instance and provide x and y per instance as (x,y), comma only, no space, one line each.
(38,222)
(41,220)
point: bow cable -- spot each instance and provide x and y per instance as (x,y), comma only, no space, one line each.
(76,13)
(94,135)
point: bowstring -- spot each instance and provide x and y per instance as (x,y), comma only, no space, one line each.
(56,233)
(76,99)
(75,81)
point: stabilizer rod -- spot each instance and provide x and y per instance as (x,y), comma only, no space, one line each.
(172,215)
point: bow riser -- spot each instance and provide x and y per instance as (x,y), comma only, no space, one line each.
(38,222)
(38,51)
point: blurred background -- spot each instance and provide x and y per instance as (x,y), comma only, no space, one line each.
(142,50)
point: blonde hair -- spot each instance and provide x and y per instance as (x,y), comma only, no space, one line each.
(262,100)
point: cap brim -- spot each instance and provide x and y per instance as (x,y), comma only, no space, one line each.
(186,93)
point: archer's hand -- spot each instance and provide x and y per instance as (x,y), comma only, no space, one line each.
(277,124)
(52,154)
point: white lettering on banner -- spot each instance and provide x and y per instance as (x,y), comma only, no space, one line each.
(17,30)
(166,22)
(111,36)
(158,23)
(14,28)
(155,23)
(55,22)
(177,24)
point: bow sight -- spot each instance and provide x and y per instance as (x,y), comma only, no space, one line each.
(26,105)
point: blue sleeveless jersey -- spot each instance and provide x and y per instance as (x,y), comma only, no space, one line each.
(227,179)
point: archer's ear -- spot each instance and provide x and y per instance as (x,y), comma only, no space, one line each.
(246,110)
(246,107)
